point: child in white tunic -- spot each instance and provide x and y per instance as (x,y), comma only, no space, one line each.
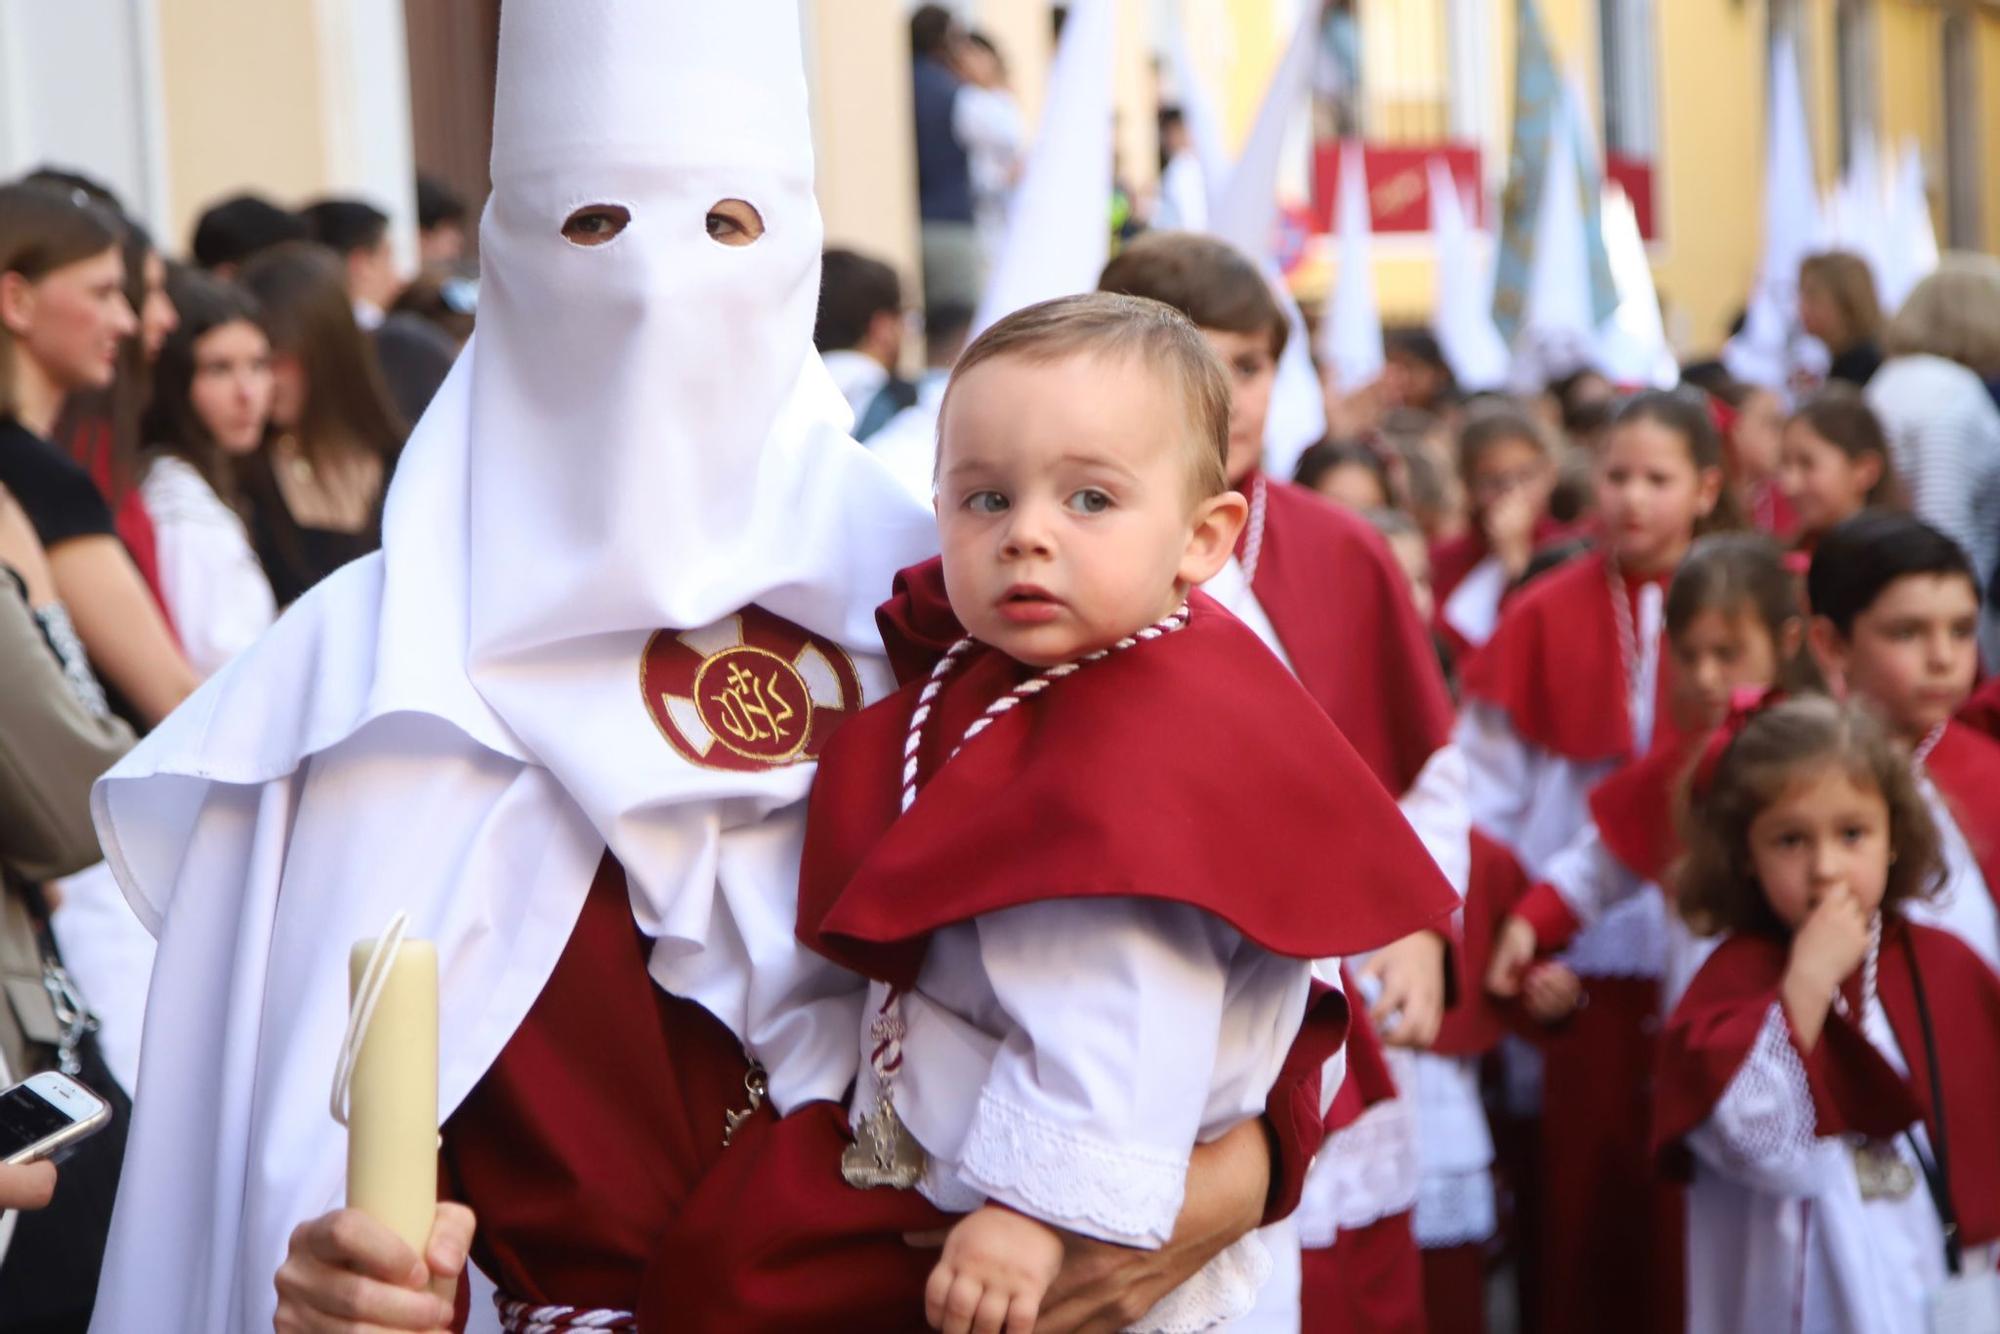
(1830,1066)
(1071,1025)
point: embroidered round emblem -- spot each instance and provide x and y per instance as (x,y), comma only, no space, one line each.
(753,691)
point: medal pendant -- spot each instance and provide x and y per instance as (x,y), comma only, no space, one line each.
(884,1153)
(1882,1173)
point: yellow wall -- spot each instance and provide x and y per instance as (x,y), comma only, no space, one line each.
(244,106)
(1710,172)
(865,150)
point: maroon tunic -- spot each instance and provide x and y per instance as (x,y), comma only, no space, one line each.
(600,1115)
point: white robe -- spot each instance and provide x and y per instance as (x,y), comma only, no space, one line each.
(1537,803)
(1778,1236)
(1375,1167)
(1064,1057)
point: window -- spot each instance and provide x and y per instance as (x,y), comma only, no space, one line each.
(1626,49)
(1962,176)
(1854,50)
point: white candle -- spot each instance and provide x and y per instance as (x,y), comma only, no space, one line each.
(392,1118)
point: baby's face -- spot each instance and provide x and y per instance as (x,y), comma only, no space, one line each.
(1065,504)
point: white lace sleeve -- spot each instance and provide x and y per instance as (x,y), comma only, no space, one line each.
(1590,880)
(1221,1291)
(1762,1132)
(1095,1098)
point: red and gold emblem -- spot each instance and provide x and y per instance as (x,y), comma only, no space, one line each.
(753,691)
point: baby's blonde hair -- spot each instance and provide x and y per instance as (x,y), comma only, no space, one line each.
(1152,333)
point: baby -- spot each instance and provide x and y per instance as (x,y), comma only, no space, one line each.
(1080,969)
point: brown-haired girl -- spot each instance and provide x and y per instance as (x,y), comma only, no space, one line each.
(211,407)
(1831,1065)
(1573,685)
(314,494)
(64,315)
(1834,462)
(1508,470)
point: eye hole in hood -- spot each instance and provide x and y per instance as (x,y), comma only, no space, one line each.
(732,222)
(596,224)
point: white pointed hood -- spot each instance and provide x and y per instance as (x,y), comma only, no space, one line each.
(1463,322)
(1246,216)
(1772,346)
(1558,329)
(1059,226)
(1350,333)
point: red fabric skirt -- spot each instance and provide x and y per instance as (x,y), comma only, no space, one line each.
(1455,1289)
(602,1112)
(1370,1281)
(773,1239)
(1610,1243)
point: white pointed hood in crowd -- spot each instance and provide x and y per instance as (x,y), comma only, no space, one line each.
(638,440)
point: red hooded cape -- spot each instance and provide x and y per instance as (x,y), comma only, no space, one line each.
(1340,606)
(1554,667)
(1854,1088)
(1191,768)
(1982,712)
(1965,765)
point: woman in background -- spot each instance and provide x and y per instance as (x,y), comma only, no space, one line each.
(314,492)
(211,407)
(63,315)
(1838,306)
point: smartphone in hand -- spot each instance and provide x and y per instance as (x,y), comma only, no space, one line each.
(47,1115)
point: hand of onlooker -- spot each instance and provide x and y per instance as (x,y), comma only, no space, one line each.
(1514,949)
(1410,1008)
(346,1271)
(28,1186)
(1551,993)
(996,1268)
(21,551)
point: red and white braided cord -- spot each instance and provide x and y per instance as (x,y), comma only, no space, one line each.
(1253,537)
(886,1030)
(527,1318)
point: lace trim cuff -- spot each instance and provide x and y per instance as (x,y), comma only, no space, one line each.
(1765,1119)
(1221,1292)
(1118,1193)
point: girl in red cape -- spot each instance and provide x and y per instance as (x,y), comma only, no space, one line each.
(1574,684)
(1734,624)
(1831,1065)
(1080,969)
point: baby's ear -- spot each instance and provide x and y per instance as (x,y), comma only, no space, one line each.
(1212,539)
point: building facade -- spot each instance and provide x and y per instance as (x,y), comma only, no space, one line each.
(177,103)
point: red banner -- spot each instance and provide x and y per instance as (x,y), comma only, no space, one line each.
(1399,183)
(1636,175)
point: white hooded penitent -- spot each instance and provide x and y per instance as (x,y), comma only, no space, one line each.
(1059,228)
(1350,332)
(639,440)
(1464,326)
(1246,216)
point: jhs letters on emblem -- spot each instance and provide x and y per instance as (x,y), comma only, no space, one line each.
(753,691)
